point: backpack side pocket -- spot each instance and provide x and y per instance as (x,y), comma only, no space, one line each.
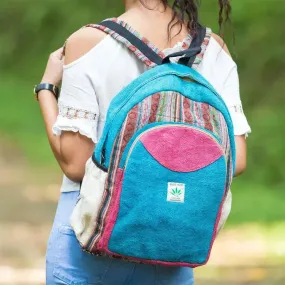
(84,216)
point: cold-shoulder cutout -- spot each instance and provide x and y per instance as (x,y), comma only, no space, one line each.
(81,42)
(221,42)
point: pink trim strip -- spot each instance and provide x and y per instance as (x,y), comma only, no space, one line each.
(114,210)
(155,262)
(216,227)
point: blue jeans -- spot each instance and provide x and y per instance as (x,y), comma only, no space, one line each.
(67,264)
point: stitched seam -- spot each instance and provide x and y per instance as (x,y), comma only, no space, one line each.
(106,271)
(67,281)
(157,282)
(127,282)
(56,269)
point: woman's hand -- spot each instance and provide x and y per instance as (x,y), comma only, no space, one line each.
(54,68)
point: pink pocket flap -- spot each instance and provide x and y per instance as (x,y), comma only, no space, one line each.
(182,148)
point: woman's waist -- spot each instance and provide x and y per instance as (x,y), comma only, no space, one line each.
(69,185)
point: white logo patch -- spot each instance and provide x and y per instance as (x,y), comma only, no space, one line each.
(176,192)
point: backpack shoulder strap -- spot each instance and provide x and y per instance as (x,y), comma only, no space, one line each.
(204,37)
(142,49)
(146,52)
(193,56)
(196,43)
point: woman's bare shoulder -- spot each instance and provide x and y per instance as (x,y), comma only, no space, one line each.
(221,42)
(81,42)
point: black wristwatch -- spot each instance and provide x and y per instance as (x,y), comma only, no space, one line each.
(46,86)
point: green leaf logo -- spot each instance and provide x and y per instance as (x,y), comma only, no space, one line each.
(176,192)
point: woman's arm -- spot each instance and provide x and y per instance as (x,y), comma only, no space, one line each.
(240,155)
(240,139)
(71,149)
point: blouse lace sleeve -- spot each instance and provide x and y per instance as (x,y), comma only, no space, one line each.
(231,96)
(78,107)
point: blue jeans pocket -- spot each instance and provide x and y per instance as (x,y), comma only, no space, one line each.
(174,275)
(74,266)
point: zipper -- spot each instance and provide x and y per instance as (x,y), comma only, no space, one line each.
(167,125)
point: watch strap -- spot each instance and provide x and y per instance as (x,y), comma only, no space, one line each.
(46,86)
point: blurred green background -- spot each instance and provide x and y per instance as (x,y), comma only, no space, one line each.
(30,179)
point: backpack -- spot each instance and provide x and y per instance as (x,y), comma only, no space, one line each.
(157,188)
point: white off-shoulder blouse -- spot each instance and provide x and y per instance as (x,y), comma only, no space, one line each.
(90,83)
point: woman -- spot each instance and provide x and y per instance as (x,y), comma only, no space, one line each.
(95,69)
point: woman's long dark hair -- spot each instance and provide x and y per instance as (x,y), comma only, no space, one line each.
(186,11)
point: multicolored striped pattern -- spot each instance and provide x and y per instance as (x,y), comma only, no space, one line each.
(166,106)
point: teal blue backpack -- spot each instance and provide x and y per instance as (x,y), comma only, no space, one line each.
(165,161)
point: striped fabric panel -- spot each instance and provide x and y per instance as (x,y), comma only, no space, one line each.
(168,106)
(106,198)
(127,131)
(204,45)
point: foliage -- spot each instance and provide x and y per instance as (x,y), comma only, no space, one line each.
(31,29)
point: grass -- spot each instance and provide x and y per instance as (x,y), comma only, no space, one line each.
(21,122)
(256,203)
